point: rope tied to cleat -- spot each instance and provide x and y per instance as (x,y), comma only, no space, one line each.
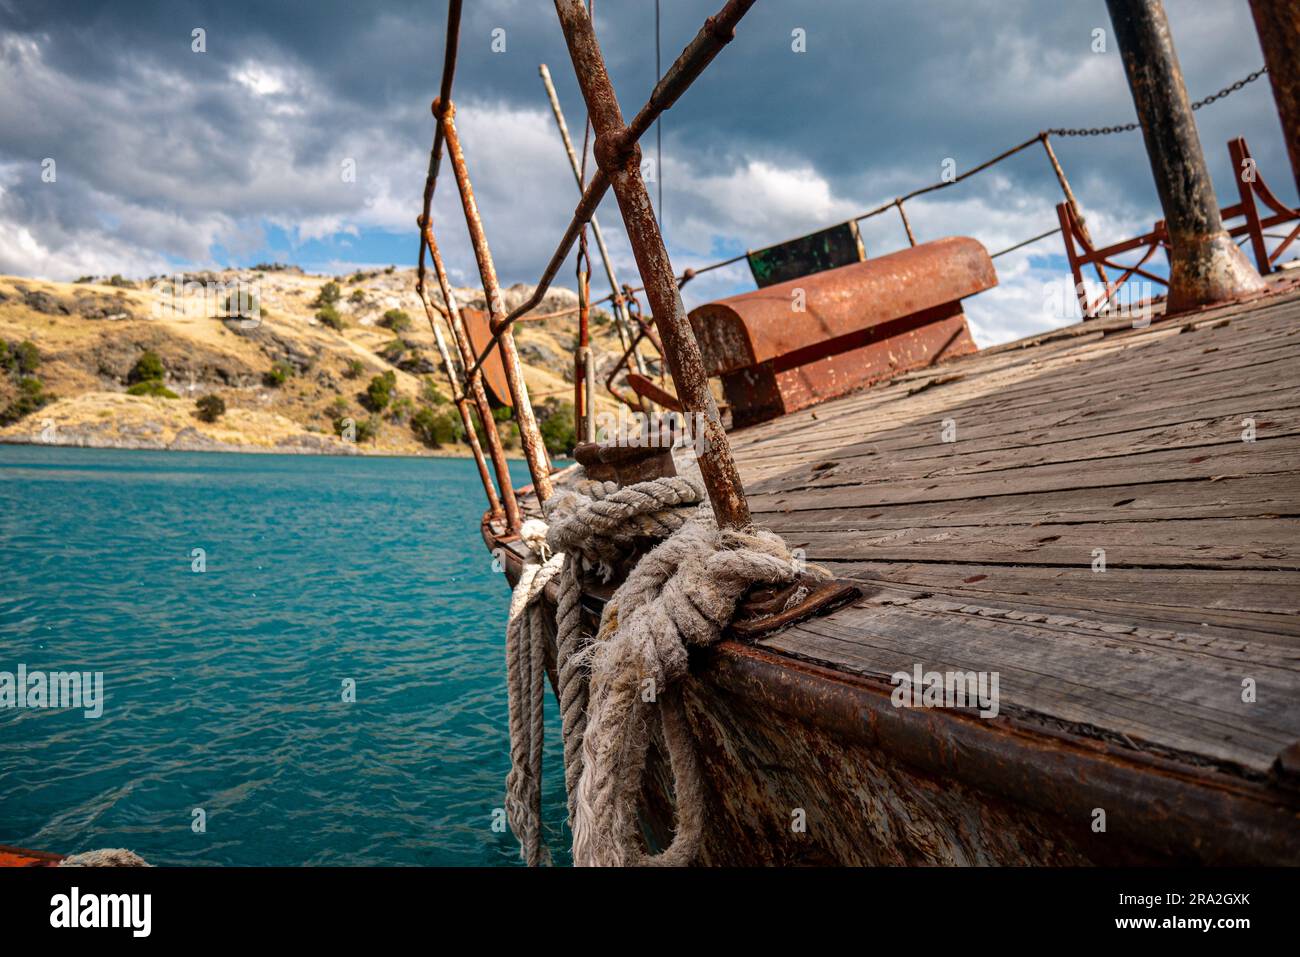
(681,594)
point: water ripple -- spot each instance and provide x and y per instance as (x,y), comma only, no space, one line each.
(223,689)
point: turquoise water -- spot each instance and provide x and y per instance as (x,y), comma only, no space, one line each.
(223,689)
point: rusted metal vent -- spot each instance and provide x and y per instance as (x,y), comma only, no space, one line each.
(800,342)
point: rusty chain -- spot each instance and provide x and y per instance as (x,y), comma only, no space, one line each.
(1107,130)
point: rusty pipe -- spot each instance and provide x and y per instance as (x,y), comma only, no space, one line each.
(473,386)
(586,209)
(462,406)
(1278,24)
(699,53)
(1205,265)
(618,155)
(911,237)
(530,436)
(620,307)
(1074,203)
(444,92)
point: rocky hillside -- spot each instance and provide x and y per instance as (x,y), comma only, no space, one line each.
(323,364)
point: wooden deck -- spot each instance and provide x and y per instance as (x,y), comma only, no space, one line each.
(1119,690)
(978,554)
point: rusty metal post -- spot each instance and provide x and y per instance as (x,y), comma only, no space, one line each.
(1205,264)
(1074,203)
(530,436)
(462,406)
(1278,24)
(911,239)
(584,398)
(621,317)
(473,386)
(620,158)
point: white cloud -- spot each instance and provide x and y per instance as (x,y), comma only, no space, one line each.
(259,80)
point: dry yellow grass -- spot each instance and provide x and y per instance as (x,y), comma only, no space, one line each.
(89,335)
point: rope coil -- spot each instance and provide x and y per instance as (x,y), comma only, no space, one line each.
(682,594)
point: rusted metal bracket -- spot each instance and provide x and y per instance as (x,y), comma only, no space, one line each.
(625,464)
(770,608)
(648,390)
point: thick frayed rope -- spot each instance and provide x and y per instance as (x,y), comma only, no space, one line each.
(595,522)
(682,593)
(525,680)
(105,857)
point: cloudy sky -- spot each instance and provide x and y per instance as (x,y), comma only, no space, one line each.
(168,159)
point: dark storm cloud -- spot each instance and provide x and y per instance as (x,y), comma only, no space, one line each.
(164,153)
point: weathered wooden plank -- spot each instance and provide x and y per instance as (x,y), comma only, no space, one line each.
(1086,390)
(1052,377)
(1257,496)
(1206,543)
(1157,695)
(1262,607)
(976,434)
(1207,462)
(964,457)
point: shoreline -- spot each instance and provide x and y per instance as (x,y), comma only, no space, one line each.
(302,450)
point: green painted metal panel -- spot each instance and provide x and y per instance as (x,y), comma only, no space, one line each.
(838,246)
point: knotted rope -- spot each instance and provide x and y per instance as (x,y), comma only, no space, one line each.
(682,593)
(525,679)
(592,522)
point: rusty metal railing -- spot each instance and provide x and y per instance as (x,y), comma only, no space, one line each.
(617,155)
(897,204)
(618,167)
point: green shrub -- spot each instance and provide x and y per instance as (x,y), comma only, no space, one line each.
(399,410)
(430,394)
(328,295)
(338,408)
(243,304)
(27,357)
(396,320)
(211,407)
(353,369)
(278,374)
(437,427)
(555,422)
(365,429)
(393,351)
(380,391)
(7,360)
(153,387)
(358,295)
(31,396)
(327,315)
(147,368)
(506,428)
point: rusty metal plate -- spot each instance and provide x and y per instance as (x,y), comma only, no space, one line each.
(759,326)
(625,464)
(494,373)
(816,252)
